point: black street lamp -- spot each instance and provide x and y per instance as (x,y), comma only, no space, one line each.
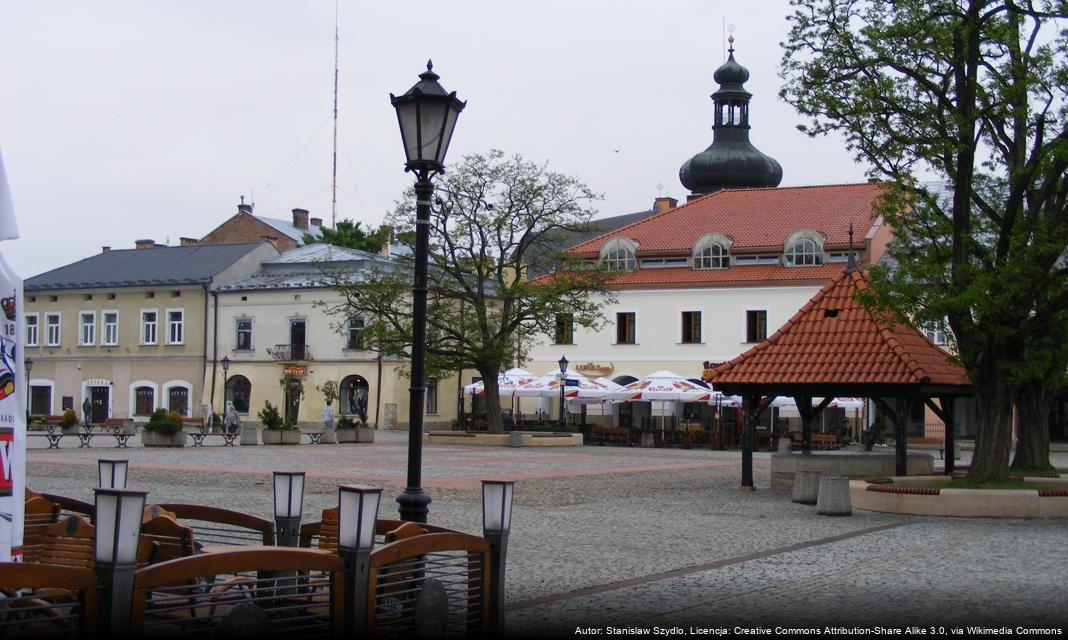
(427,116)
(563,384)
(28,364)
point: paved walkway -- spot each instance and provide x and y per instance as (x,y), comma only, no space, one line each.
(614,537)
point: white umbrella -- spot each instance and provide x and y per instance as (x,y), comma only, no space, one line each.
(548,386)
(662,385)
(507,382)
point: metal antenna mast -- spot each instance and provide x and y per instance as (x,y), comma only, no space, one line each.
(333,180)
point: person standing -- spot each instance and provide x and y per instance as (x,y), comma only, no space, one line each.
(232,420)
(87,411)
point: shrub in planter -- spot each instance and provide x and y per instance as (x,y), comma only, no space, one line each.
(69,419)
(269,416)
(164,422)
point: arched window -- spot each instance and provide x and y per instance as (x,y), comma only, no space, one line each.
(618,254)
(238,391)
(804,249)
(712,251)
(353,394)
(144,401)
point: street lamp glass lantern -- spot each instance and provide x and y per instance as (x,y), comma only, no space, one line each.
(357,513)
(28,363)
(427,116)
(563,365)
(225,364)
(112,473)
(288,494)
(118,525)
(497,505)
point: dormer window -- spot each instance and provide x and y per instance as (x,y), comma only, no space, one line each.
(804,249)
(618,254)
(712,251)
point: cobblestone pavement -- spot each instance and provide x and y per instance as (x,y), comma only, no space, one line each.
(608,536)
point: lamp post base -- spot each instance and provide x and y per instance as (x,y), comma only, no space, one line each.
(413,505)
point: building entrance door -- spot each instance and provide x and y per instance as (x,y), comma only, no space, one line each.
(296,339)
(98,398)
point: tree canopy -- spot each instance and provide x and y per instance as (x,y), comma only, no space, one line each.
(349,234)
(970,94)
(496,221)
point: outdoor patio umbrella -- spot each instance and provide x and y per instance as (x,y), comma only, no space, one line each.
(548,386)
(507,382)
(664,386)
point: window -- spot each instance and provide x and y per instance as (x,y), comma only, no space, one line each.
(354,338)
(87,329)
(564,329)
(144,401)
(175,326)
(238,392)
(40,400)
(712,251)
(31,330)
(244,334)
(804,249)
(691,327)
(625,325)
(935,332)
(618,254)
(178,400)
(111,328)
(431,396)
(756,326)
(148,327)
(52,327)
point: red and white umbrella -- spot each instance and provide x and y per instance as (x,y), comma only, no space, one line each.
(548,385)
(507,382)
(663,385)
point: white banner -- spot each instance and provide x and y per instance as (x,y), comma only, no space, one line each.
(12,415)
(9,228)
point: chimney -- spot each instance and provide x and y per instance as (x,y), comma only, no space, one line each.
(187,242)
(664,203)
(105,249)
(144,244)
(874,181)
(244,208)
(300,219)
(316,222)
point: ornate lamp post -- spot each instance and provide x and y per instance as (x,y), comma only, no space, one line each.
(28,364)
(427,116)
(563,382)
(288,506)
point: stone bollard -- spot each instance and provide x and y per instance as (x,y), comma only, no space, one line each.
(806,487)
(834,498)
(648,439)
(785,444)
(515,439)
(249,435)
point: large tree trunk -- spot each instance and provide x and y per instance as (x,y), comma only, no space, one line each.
(993,437)
(1032,429)
(492,400)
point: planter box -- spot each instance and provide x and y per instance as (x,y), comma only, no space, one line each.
(364,434)
(345,435)
(153,439)
(249,435)
(329,437)
(280,436)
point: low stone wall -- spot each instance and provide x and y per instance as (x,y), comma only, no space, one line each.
(962,503)
(525,439)
(852,464)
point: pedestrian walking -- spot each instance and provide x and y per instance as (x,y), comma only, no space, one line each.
(87,411)
(232,420)
(328,417)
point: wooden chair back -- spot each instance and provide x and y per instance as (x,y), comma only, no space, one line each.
(166,540)
(68,543)
(38,515)
(155,511)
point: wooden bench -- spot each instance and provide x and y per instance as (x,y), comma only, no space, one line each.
(53,438)
(86,438)
(198,438)
(610,435)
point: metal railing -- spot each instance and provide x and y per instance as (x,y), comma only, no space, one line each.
(290,352)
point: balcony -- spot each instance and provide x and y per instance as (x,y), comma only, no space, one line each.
(290,352)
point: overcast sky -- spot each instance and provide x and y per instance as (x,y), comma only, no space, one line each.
(138,119)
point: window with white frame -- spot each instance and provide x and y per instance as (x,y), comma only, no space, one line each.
(244,334)
(935,332)
(31,330)
(87,328)
(110,320)
(355,337)
(175,326)
(804,249)
(618,254)
(149,319)
(52,326)
(712,251)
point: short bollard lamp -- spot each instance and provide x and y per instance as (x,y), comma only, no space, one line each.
(427,117)
(496,523)
(563,386)
(288,506)
(112,473)
(357,514)
(118,529)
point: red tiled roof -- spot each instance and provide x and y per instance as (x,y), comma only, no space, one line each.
(851,347)
(682,277)
(752,218)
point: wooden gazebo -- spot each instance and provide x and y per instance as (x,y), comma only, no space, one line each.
(835,347)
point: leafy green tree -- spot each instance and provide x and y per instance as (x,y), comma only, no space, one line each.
(972,93)
(496,220)
(349,234)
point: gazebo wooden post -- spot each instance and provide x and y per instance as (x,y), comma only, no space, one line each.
(804,408)
(949,445)
(749,407)
(900,443)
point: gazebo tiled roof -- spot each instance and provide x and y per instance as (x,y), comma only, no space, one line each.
(834,341)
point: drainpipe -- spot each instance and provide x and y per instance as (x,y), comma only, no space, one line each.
(214,341)
(378,390)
